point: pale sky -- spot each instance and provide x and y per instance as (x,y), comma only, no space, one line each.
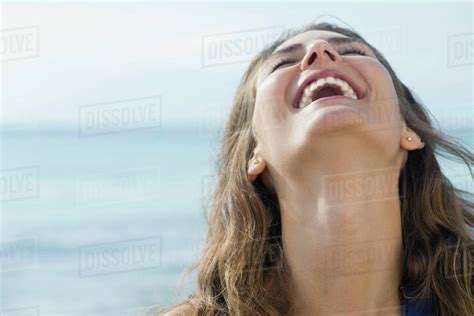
(89,53)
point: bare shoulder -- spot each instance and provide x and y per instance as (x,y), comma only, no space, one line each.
(183,310)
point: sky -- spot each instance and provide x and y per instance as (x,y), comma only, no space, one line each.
(59,58)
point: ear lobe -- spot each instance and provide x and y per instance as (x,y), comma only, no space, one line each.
(410,140)
(255,168)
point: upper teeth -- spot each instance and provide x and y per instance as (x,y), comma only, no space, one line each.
(308,93)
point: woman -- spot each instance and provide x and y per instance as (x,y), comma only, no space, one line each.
(330,200)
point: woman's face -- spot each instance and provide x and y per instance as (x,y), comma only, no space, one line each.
(287,134)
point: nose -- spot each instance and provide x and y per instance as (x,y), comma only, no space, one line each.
(319,53)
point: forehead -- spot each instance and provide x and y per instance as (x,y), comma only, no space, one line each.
(308,37)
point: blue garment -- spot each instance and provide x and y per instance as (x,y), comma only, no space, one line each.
(421,307)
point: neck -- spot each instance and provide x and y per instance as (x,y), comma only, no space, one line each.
(341,235)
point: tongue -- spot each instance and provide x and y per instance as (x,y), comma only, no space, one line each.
(327,92)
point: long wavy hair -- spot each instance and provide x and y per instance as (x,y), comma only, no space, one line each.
(242,270)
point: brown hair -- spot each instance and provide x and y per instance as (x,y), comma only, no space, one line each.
(242,268)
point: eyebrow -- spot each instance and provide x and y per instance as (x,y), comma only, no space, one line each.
(332,40)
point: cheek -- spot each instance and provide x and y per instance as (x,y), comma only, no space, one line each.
(272,91)
(268,118)
(272,117)
(384,121)
(271,109)
(383,105)
(378,78)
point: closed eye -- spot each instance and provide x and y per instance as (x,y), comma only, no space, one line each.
(346,51)
(351,51)
(280,63)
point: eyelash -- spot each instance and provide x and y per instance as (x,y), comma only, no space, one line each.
(284,61)
(281,62)
(352,51)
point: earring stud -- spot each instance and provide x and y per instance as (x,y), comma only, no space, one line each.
(255,161)
(409,138)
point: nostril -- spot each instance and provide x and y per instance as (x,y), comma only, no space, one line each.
(311,58)
(331,56)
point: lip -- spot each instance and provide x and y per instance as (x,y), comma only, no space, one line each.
(327,73)
(332,98)
(329,99)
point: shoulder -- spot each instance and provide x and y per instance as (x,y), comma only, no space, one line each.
(186,309)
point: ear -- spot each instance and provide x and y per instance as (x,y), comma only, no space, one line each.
(256,165)
(410,140)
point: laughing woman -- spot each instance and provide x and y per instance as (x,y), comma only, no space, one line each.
(330,198)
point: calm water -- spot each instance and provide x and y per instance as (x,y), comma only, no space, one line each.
(106,225)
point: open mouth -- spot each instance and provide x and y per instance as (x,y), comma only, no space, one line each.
(326,84)
(327,91)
